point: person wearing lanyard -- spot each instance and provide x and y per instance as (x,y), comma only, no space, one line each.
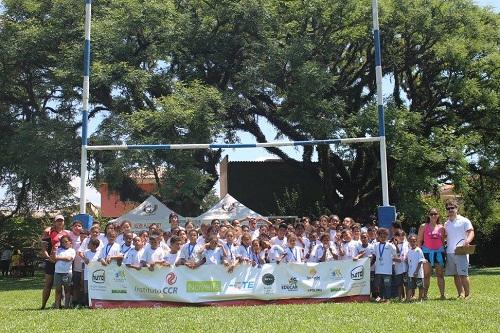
(127,245)
(293,253)
(385,255)
(255,254)
(230,252)
(190,251)
(111,251)
(244,251)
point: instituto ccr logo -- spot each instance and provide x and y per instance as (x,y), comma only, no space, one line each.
(171,278)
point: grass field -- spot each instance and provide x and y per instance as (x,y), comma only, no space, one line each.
(20,299)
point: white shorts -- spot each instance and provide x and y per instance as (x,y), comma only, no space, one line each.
(457,264)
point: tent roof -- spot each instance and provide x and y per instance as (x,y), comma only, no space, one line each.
(150,211)
(228,208)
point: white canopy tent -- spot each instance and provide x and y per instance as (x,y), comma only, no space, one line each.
(149,212)
(228,208)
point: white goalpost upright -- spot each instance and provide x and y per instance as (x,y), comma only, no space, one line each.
(386,212)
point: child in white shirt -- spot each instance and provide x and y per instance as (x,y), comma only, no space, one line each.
(154,254)
(172,257)
(293,253)
(348,245)
(90,255)
(110,251)
(135,257)
(64,257)
(213,253)
(416,261)
(191,251)
(385,254)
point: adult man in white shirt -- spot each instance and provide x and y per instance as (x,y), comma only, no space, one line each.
(459,232)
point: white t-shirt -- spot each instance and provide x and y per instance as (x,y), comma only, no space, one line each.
(384,253)
(414,257)
(310,249)
(456,232)
(275,253)
(172,258)
(293,255)
(92,257)
(190,252)
(244,252)
(401,267)
(76,243)
(320,250)
(85,245)
(213,257)
(151,256)
(349,249)
(124,248)
(134,257)
(281,242)
(231,251)
(110,250)
(301,240)
(63,266)
(368,250)
(255,233)
(120,240)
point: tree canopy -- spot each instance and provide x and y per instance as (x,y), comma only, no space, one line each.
(190,71)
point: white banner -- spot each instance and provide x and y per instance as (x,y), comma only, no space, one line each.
(212,283)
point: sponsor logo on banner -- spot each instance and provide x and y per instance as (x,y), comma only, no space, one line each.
(357,273)
(336,274)
(242,284)
(312,274)
(268,279)
(99,276)
(171,278)
(203,286)
(155,291)
(118,291)
(292,285)
(336,289)
(119,276)
(314,290)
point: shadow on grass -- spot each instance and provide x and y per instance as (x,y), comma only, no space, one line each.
(22,283)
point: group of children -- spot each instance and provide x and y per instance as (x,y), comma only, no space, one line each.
(393,262)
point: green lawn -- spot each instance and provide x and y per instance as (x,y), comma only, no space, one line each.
(19,300)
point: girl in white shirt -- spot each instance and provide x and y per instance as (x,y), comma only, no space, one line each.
(293,253)
(324,251)
(64,257)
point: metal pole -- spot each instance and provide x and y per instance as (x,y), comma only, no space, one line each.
(85,107)
(380,104)
(233,145)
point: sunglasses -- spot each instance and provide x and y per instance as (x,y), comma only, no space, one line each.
(433,214)
(450,208)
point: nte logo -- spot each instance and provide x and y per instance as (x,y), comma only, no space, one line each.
(357,273)
(99,276)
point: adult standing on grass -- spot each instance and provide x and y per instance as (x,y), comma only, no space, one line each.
(5,260)
(431,236)
(459,232)
(50,243)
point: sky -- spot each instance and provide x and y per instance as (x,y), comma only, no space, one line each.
(251,154)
